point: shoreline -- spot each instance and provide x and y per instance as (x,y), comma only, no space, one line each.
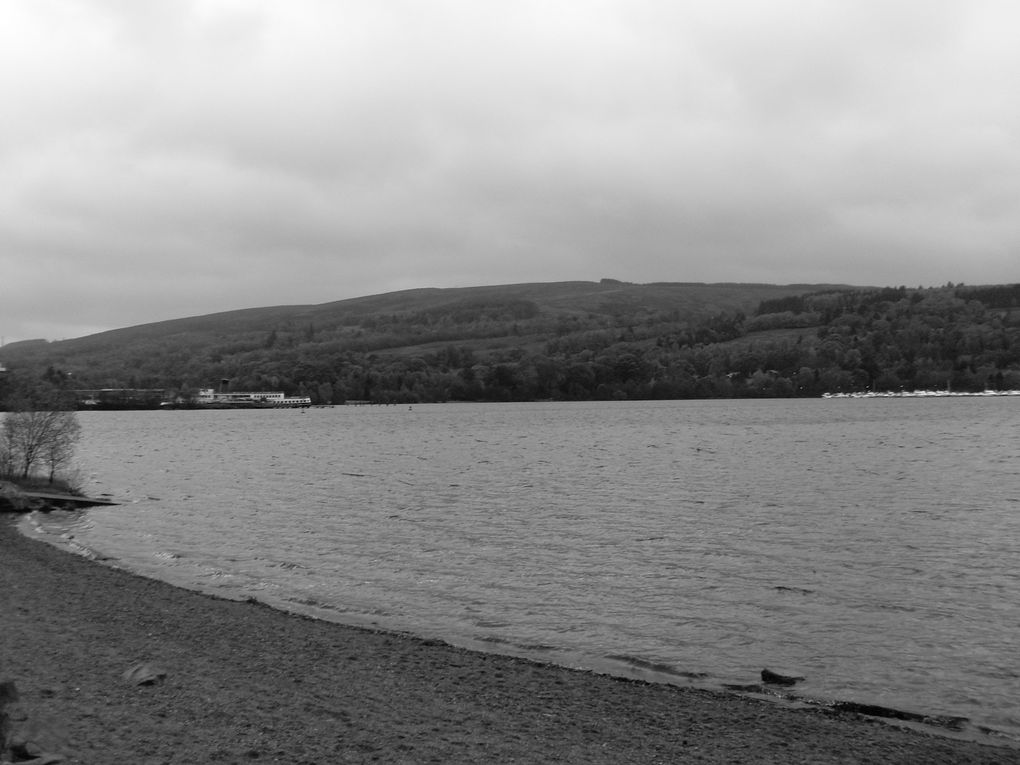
(248,683)
(617,666)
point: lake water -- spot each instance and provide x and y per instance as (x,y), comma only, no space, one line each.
(872,546)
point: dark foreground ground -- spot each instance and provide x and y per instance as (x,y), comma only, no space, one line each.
(247,684)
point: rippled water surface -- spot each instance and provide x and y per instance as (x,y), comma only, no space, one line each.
(870,545)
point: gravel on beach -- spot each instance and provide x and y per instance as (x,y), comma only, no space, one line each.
(245,683)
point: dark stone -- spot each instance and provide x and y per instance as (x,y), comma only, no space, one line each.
(775,678)
(143,673)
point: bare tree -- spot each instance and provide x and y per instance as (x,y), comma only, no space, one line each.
(31,437)
(59,449)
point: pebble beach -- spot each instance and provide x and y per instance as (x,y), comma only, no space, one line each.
(238,682)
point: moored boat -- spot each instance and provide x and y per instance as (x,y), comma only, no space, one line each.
(208,398)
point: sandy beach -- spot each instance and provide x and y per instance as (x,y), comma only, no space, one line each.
(245,683)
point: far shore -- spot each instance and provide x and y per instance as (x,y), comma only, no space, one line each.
(240,682)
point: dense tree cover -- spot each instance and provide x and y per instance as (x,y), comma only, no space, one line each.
(798,343)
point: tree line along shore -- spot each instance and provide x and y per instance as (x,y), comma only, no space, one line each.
(626,342)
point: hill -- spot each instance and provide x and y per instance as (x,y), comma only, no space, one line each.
(562,340)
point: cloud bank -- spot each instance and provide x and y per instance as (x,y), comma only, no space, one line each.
(172,158)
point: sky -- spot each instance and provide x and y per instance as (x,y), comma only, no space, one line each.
(171,158)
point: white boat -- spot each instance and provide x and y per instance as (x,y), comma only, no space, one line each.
(207,397)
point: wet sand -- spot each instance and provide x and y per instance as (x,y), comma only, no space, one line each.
(245,683)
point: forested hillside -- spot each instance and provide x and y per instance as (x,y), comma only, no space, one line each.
(563,341)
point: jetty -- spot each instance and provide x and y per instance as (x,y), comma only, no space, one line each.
(72,499)
(14,498)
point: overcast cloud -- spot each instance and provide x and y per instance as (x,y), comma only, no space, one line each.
(167,158)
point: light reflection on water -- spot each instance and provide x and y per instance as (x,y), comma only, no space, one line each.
(870,545)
